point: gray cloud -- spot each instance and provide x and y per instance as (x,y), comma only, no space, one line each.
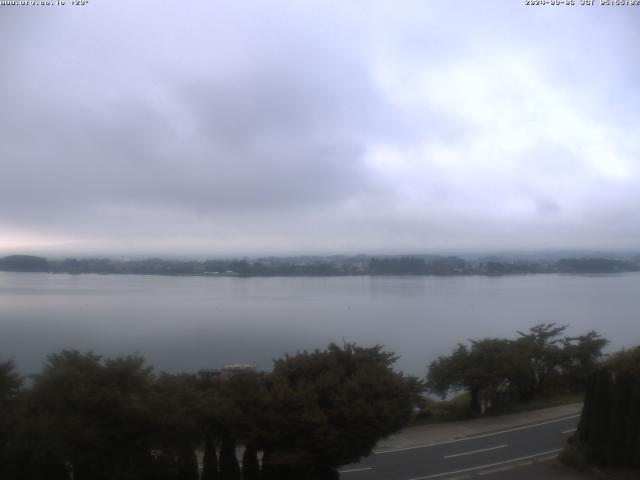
(218,128)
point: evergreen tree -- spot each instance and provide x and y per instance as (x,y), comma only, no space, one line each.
(609,428)
(10,386)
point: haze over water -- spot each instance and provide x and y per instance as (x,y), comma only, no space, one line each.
(187,323)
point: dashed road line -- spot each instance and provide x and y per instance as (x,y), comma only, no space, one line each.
(571,430)
(476,451)
(480,467)
(497,470)
(546,459)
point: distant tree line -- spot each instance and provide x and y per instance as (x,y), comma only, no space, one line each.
(84,417)
(459,266)
(498,372)
(319,266)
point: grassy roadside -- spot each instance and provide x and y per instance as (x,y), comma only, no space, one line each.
(457,408)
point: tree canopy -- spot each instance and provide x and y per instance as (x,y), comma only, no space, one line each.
(328,408)
(505,370)
(92,418)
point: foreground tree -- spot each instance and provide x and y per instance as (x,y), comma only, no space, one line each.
(329,408)
(582,354)
(502,370)
(176,404)
(538,355)
(250,464)
(609,429)
(480,369)
(209,457)
(234,408)
(92,416)
(229,467)
(89,418)
(10,385)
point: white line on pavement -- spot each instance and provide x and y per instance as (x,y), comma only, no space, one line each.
(436,475)
(516,429)
(570,430)
(497,470)
(546,459)
(355,470)
(476,451)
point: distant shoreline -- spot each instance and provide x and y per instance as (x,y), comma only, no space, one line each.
(357,275)
(337,266)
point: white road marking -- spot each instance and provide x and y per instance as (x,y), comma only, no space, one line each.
(546,459)
(436,475)
(355,470)
(445,442)
(496,470)
(476,451)
(570,430)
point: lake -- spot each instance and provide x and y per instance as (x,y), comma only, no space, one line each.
(187,323)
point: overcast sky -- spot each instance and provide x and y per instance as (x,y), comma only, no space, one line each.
(224,128)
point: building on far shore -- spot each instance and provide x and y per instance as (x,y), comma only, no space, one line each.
(229,370)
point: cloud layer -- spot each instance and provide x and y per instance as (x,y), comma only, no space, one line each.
(232,128)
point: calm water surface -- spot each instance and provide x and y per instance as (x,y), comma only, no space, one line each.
(187,323)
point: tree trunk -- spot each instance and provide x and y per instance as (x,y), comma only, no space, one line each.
(267,470)
(250,465)
(166,468)
(474,405)
(229,468)
(52,471)
(82,471)
(273,471)
(187,465)
(210,459)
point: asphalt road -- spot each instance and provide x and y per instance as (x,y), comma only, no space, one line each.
(475,456)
